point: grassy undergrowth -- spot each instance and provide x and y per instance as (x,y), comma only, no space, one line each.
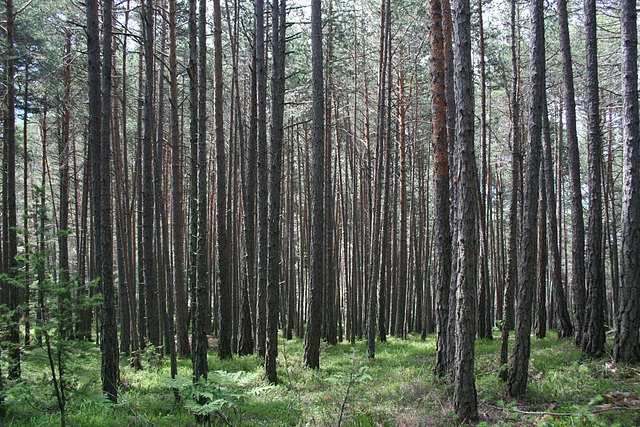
(395,388)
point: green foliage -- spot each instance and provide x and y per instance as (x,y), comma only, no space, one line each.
(395,388)
(218,394)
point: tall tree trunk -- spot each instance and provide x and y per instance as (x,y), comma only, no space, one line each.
(373,271)
(100,137)
(484,304)
(137,195)
(450,99)
(108,329)
(164,275)
(278,26)
(205,238)
(627,347)
(192,71)
(10,236)
(128,235)
(594,336)
(122,234)
(563,325)
(263,180)
(149,261)
(176,188)
(27,250)
(64,298)
(577,221)
(249,169)
(464,394)
(311,355)
(514,225)
(200,329)
(224,247)
(441,227)
(518,368)
(329,330)
(403,282)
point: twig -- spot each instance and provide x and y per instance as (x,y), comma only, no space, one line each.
(572,414)
(223,418)
(613,408)
(557,414)
(346,396)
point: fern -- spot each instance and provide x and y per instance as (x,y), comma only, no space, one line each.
(218,394)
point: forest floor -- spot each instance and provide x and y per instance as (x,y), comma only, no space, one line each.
(397,388)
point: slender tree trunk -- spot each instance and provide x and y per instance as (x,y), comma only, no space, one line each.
(10,236)
(450,99)
(108,329)
(329,292)
(27,250)
(627,347)
(248,167)
(594,336)
(64,298)
(161,234)
(311,355)
(514,225)
(278,26)
(540,303)
(562,321)
(403,261)
(176,188)
(263,181)
(374,254)
(484,305)
(100,134)
(611,229)
(519,364)
(442,232)
(199,330)
(464,395)
(149,260)
(577,221)
(128,235)
(224,247)
(192,71)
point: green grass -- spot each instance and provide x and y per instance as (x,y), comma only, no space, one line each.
(395,388)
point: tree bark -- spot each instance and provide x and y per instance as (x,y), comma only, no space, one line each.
(577,221)
(100,134)
(373,270)
(10,237)
(464,394)
(224,248)
(64,298)
(278,26)
(441,227)
(562,321)
(514,224)
(311,355)
(540,312)
(627,346)
(199,342)
(149,261)
(594,336)
(177,223)
(519,364)
(329,329)
(263,180)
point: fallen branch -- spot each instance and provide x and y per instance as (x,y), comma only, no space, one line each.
(571,414)
(558,414)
